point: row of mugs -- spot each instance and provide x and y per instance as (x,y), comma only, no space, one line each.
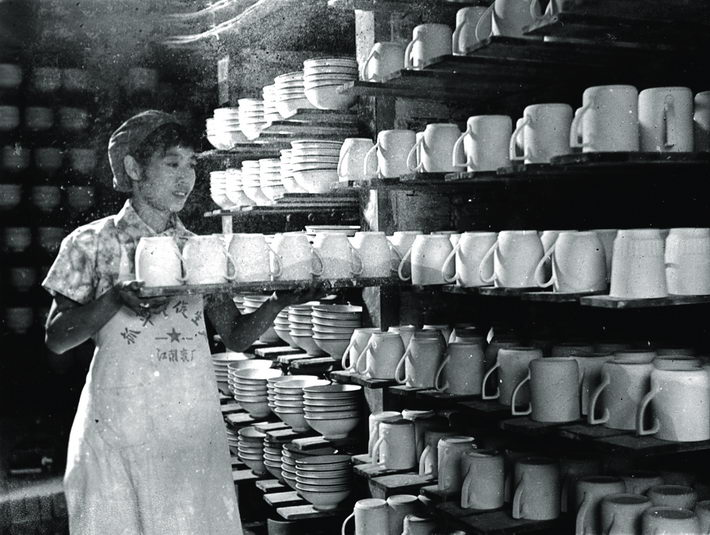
(44,79)
(39,118)
(398,515)
(20,239)
(47,159)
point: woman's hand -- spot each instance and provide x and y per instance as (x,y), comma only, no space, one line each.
(128,293)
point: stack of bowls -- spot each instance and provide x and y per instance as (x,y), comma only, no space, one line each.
(282,326)
(272,455)
(250,390)
(323,77)
(250,364)
(239,302)
(251,117)
(288,400)
(271,112)
(333,326)
(290,94)
(325,480)
(223,130)
(221,362)
(270,178)
(287,179)
(301,329)
(290,454)
(332,410)
(218,190)
(314,164)
(252,304)
(235,189)
(251,183)
(233,441)
(251,449)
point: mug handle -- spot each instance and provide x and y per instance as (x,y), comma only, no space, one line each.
(485,380)
(582,513)
(610,529)
(346,356)
(341,157)
(317,272)
(574,131)
(487,256)
(466,498)
(345,522)
(591,420)
(355,256)
(408,61)
(400,366)
(230,262)
(412,156)
(641,412)
(535,10)
(448,260)
(372,151)
(422,462)
(376,450)
(398,259)
(276,273)
(400,269)
(364,66)
(512,147)
(439,387)
(518,505)
(668,107)
(479,25)
(455,49)
(456,148)
(541,264)
(513,410)
(356,365)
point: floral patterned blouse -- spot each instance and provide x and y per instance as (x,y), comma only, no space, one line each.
(94,257)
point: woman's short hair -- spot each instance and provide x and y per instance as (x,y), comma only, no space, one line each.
(162,139)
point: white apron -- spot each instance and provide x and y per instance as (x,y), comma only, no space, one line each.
(148,450)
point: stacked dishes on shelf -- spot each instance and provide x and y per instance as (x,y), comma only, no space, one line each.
(282,326)
(287,400)
(271,113)
(325,481)
(235,189)
(333,326)
(251,449)
(251,117)
(332,410)
(287,179)
(272,455)
(252,304)
(233,441)
(314,164)
(250,390)
(250,364)
(218,190)
(290,94)
(239,302)
(270,178)
(301,328)
(323,77)
(223,130)
(290,453)
(251,182)
(221,362)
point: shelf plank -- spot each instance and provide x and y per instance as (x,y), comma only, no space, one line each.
(606,301)
(270,485)
(649,446)
(529,427)
(408,6)
(403,390)
(271,353)
(600,159)
(283,499)
(496,522)
(373,470)
(308,512)
(491,291)
(486,408)
(346,377)
(556,297)
(242,476)
(385,486)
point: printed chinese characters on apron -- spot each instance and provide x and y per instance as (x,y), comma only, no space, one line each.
(148,452)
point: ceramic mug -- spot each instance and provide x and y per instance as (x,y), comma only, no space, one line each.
(450,452)
(669,521)
(621,513)
(358,341)
(406,332)
(381,355)
(464,36)
(399,506)
(429,459)
(608,120)
(417,367)
(543,133)
(483,486)
(485,143)
(516,255)
(296,256)
(591,490)
(666,119)
(678,496)
(554,391)
(640,482)
(395,448)
(638,268)
(590,369)
(461,371)
(384,60)
(434,148)
(340,259)
(429,41)
(424,421)
(402,241)
(428,254)
(158,261)
(571,470)
(206,261)
(607,237)
(351,161)
(578,263)
(468,255)
(701,122)
(375,253)
(537,489)
(391,149)
(622,387)
(702,509)
(371,517)
(374,421)
(252,258)
(505,17)
(687,259)
(513,363)
(418,525)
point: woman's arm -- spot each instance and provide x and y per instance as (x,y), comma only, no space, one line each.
(70,324)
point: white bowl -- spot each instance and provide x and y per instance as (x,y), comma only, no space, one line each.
(320,62)
(295,420)
(343,480)
(316,181)
(258,375)
(333,429)
(322,501)
(259,409)
(286,337)
(334,348)
(329,401)
(308,345)
(328,98)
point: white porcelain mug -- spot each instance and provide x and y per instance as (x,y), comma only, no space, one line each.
(578,263)
(450,451)
(340,259)
(384,60)
(485,143)
(429,459)
(381,355)
(621,513)
(391,149)
(687,258)
(418,366)
(405,332)
(395,449)
(434,149)
(537,489)
(358,341)
(351,161)
(252,257)
(666,119)
(543,133)
(461,371)
(158,261)
(206,261)
(375,253)
(400,505)
(464,36)
(298,259)
(608,120)
(483,486)
(513,363)
(371,516)
(669,521)
(429,41)
(590,492)
(468,255)
(701,121)
(374,421)
(554,391)
(516,255)
(402,241)
(505,17)
(427,254)
(418,525)
(638,268)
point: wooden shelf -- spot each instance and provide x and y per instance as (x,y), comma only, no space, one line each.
(245,151)
(345,377)
(408,6)
(606,301)
(496,522)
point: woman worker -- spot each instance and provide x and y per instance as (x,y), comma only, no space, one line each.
(147,451)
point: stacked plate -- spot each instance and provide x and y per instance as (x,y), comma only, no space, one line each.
(239,302)
(250,390)
(250,364)
(223,130)
(290,454)
(271,113)
(332,410)
(288,400)
(218,190)
(301,329)
(325,480)
(281,328)
(252,304)
(251,182)
(290,94)
(272,455)
(251,117)
(314,164)
(250,449)
(221,362)
(234,189)
(270,178)
(323,77)
(287,174)
(333,326)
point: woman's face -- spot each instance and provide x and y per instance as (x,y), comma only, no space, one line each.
(168,179)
